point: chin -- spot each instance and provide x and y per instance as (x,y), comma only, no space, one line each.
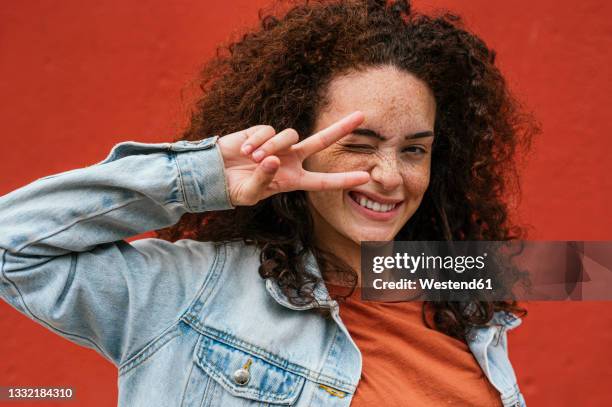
(364,236)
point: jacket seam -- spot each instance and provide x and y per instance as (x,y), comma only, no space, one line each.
(174,323)
(225,186)
(186,386)
(512,397)
(508,393)
(331,346)
(78,220)
(196,305)
(181,180)
(486,355)
(150,349)
(212,279)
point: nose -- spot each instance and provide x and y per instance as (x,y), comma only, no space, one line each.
(386,173)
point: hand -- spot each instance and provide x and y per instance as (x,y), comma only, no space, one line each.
(278,168)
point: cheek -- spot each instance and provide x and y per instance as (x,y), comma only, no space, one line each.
(327,203)
(416,180)
(333,161)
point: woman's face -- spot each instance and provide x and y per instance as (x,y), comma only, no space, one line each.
(393,144)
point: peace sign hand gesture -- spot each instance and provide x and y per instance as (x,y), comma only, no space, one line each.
(278,168)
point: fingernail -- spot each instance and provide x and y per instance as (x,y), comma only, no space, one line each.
(246,148)
(258,155)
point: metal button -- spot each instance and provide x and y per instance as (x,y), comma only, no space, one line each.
(242,376)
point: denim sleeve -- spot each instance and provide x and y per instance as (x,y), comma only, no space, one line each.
(64,262)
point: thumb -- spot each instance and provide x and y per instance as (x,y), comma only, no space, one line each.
(262,176)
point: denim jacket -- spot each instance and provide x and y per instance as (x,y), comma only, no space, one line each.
(187,323)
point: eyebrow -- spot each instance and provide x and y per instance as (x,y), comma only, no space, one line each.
(371,133)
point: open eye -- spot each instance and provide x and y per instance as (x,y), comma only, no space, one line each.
(415,150)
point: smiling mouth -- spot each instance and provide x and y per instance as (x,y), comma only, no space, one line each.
(371,204)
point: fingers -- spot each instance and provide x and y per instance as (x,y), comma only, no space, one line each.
(257,137)
(257,183)
(320,181)
(229,144)
(281,141)
(328,136)
(243,135)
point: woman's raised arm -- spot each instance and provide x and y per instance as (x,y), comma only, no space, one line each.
(63,260)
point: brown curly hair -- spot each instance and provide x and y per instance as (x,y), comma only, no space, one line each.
(278,75)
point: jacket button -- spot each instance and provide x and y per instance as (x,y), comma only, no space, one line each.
(241,376)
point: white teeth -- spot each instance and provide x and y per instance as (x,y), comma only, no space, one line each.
(375,206)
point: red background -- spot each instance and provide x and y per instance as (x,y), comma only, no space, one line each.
(77,77)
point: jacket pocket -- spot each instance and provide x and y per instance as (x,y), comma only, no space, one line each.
(239,377)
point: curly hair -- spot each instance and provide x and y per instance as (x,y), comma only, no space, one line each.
(279,74)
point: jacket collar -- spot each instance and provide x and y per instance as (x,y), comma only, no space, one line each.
(506,319)
(320,292)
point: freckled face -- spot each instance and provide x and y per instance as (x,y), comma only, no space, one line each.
(393,144)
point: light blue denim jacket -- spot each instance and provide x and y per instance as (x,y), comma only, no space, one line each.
(187,323)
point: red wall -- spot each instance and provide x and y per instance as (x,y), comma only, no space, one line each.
(77,77)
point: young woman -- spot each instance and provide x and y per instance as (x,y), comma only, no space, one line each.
(343,122)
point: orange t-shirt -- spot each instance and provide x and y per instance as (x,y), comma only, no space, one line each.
(407,364)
